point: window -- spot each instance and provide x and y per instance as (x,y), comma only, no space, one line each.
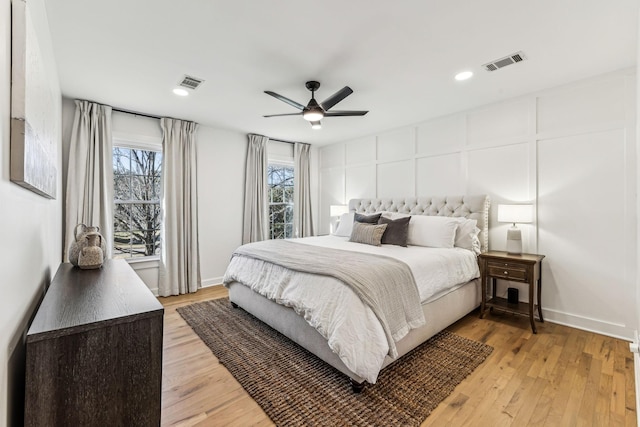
(280,182)
(136,216)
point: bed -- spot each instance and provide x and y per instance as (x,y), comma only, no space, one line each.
(295,303)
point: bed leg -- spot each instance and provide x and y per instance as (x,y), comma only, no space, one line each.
(234,305)
(356,386)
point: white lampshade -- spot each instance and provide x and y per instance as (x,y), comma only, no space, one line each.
(337,210)
(515,213)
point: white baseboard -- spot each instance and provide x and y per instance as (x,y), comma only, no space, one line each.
(598,326)
(154,291)
(214,281)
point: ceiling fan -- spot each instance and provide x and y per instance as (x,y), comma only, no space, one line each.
(315,112)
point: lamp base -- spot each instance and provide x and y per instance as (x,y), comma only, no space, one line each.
(514,241)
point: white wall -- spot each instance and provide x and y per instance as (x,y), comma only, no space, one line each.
(30,226)
(570,150)
(221,164)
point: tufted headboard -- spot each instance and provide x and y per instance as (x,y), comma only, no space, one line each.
(473,207)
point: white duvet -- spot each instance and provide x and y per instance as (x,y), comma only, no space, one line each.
(350,327)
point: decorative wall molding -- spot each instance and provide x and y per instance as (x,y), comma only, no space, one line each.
(559,149)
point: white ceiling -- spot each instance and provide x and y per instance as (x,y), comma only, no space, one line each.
(399,57)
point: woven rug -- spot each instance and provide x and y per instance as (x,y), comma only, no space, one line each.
(295,388)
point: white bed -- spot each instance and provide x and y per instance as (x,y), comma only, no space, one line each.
(349,337)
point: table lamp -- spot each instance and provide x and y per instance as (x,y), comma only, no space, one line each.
(515,214)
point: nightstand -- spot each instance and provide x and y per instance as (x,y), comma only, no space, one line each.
(524,268)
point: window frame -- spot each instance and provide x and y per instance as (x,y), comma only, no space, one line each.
(146,143)
(275,161)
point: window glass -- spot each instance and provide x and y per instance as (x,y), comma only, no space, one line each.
(280,182)
(136,191)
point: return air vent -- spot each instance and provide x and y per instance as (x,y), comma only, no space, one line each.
(503,62)
(190,82)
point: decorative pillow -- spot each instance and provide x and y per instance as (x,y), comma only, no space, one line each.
(467,234)
(369,234)
(397,231)
(432,231)
(367,219)
(345,225)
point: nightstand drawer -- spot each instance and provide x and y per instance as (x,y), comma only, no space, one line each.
(507,272)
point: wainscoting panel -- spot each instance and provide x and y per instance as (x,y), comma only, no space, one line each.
(581,190)
(396,145)
(360,182)
(442,135)
(582,106)
(500,171)
(361,151)
(505,121)
(439,175)
(395,179)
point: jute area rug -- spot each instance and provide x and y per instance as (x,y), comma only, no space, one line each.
(295,388)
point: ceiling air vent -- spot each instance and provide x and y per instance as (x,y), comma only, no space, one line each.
(190,82)
(503,62)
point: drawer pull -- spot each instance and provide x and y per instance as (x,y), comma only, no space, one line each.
(506,273)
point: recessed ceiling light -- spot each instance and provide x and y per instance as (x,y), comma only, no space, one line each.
(464,75)
(180,92)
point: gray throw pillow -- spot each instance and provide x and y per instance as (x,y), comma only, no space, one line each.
(367,219)
(397,232)
(369,234)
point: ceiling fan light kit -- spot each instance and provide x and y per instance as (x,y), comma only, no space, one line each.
(314,112)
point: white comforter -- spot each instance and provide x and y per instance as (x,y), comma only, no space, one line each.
(350,327)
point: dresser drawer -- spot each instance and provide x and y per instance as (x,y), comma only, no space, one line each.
(507,270)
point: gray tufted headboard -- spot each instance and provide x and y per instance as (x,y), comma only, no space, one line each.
(473,207)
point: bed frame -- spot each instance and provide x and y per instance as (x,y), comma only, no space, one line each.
(439,313)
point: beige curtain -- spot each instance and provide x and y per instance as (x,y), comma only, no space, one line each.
(256,218)
(302,220)
(89,197)
(180,257)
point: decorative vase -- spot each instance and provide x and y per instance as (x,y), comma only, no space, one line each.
(80,233)
(91,256)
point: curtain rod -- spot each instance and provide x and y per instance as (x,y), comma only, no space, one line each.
(122,110)
(280,140)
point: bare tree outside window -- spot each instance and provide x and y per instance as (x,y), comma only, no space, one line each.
(137,184)
(280,182)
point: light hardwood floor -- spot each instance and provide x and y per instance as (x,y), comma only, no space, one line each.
(559,377)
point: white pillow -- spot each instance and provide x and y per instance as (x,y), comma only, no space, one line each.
(345,226)
(432,231)
(467,235)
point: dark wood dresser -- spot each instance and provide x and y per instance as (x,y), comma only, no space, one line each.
(94,351)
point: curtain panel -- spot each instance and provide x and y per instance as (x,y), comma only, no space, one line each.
(89,196)
(180,256)
(256,218)
(302,219)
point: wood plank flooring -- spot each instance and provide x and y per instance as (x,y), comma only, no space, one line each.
(559,377)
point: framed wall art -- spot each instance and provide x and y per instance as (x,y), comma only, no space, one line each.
(33,121)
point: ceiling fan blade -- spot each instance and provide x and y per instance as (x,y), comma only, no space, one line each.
(345,113)
(278,115)
(336,97)
(285,99)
